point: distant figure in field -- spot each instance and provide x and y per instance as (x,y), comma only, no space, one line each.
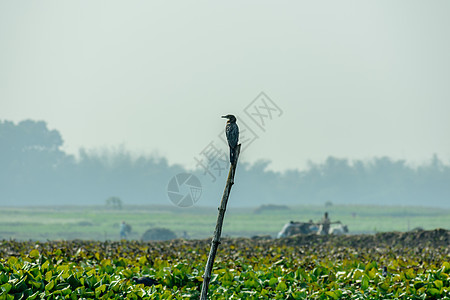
(123,230)
(324,225)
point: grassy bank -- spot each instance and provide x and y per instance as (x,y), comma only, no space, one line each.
(101,223)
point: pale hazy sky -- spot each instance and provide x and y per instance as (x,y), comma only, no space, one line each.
(354,79)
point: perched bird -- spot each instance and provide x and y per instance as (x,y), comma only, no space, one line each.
(232,132)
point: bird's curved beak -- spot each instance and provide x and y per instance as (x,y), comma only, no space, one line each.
(225,117)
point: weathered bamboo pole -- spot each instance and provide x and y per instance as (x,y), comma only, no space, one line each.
(218,231)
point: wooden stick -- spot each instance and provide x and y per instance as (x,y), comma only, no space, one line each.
(217,233)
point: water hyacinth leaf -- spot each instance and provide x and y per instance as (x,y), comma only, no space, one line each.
(127,273)
(57,253)
(357,275)
(34,253)
(332,294)
(20,286)
(6,288)
(418,284)
(372,273)
(49,286)
(439,284)
(105,262)
(433,292)
(100,290)
(446,267)
(281,287)
(3,278)
(45,265)
(273,281)
(48,275)
(143,260)
(66,291)
(12,261)
(36,284)
(33,296)
(410,274)
(364,282)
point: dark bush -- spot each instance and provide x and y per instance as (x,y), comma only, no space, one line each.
(270,207)
(158,234)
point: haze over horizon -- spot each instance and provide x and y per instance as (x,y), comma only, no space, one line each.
(355,80)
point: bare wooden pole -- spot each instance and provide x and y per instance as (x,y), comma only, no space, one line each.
(218,231)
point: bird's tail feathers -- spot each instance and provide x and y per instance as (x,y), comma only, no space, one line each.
(232,155)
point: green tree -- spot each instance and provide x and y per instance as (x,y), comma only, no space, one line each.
(114,202)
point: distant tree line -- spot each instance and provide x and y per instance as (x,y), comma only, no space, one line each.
(35,171)
(380,181)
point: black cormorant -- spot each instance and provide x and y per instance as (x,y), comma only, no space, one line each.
(232,132)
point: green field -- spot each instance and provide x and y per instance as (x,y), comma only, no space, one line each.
(101,223)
